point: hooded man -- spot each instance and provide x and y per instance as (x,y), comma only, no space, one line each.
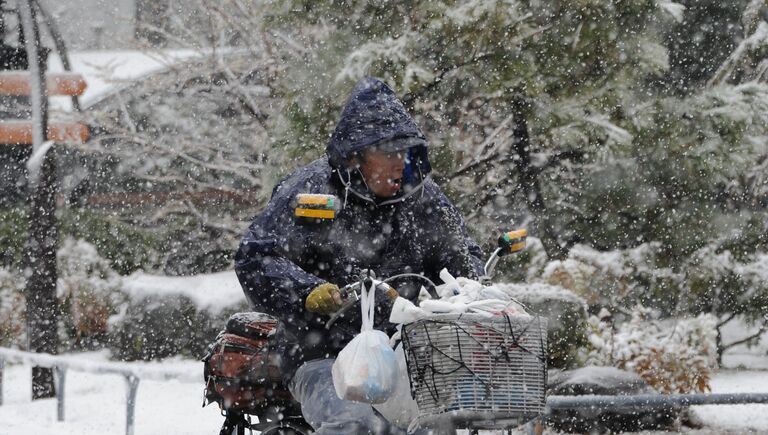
(380,212)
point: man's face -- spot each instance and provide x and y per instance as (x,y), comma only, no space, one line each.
(383,171)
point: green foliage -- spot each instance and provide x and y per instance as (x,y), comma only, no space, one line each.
(127,247)
(177,245)
(720,284)
(698,45)
(186,249)
(13,230)
(153,328)
(13,318)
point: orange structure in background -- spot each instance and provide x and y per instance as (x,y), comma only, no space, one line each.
(17,83)
(20,132)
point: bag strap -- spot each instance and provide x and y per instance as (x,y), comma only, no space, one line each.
(367,306)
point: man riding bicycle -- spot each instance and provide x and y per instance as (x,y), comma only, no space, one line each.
(367,205)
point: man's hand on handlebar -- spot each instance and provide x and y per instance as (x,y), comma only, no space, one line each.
(324,299)
(328,298)
(350,295)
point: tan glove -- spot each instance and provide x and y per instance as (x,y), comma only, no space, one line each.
(324,299)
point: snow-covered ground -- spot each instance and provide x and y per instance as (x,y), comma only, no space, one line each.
(737,418)
(95,404)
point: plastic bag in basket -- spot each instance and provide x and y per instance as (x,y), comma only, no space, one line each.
(366,369)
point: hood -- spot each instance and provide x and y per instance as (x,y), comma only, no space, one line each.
(374,115)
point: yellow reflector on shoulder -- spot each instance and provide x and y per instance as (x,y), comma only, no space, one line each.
(315,213)
(325,201)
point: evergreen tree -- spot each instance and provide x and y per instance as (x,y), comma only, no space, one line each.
(519,99)
(549,114)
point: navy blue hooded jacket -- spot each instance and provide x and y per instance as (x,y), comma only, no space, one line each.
(282,257)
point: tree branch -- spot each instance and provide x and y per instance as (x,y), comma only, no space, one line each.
(757,334)
(728,319)
(489,149)
(574,155)
(409,98)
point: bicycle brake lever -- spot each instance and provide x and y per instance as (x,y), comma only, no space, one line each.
(347,292)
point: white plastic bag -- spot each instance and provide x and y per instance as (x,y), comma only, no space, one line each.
(405,311)
(366,369)
(400,409)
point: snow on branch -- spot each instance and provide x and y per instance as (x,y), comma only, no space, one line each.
(676,10)
(751,15)
(389,50)
(475,11)
(754,41)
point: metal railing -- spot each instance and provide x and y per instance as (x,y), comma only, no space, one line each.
(651,401)
(61,364)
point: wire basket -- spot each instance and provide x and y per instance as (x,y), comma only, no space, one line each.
(477,369)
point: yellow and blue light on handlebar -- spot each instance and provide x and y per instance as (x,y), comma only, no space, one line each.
(512,241)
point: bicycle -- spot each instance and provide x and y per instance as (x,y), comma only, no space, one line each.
(464,371)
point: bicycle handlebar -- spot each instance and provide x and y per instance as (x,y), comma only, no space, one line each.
(356,287)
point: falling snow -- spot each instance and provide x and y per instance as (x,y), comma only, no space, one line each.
(630,139)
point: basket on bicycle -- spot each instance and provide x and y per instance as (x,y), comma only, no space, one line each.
(474,368)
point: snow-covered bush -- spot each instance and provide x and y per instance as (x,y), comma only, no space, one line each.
(166,316)
(88,292)
(721,284)
(123,242)
(712,280)
(674,356)
(607,278)
(156,327)
(567,319)
(13,323)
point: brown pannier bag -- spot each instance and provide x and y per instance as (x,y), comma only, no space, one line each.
(241,374)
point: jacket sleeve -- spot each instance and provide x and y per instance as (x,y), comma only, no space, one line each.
(265,261)
(453,249)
